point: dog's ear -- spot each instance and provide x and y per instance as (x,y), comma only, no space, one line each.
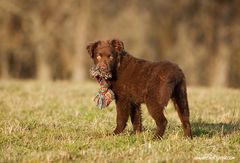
(91,47)
(119,48)
(118,45)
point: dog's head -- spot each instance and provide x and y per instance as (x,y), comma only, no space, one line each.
(106,56)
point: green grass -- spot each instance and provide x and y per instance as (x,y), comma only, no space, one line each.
(58,122)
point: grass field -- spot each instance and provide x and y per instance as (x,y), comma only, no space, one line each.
(58,122)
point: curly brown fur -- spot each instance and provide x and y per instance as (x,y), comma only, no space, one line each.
(135,81)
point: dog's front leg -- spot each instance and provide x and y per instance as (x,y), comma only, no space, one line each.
(136,118)
(123,112)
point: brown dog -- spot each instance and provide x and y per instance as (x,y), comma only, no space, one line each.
(136,81)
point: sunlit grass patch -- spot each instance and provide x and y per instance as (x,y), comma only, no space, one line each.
(58,121)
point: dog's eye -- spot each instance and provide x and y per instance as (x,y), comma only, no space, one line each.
(99,57)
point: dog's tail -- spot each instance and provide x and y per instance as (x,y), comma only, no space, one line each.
(179,95)
(180,101)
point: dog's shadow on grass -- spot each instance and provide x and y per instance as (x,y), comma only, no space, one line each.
(210,129)
(199,129)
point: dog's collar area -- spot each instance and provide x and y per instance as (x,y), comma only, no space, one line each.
(122,52)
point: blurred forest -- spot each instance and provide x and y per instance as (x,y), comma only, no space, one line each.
(46,40)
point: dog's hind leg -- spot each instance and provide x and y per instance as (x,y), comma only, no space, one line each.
(156,101)
(181,105)
(161,122)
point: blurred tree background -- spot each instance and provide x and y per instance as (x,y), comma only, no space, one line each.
(46,40)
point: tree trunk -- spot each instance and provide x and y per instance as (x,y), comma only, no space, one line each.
(82,25)
(43,69)
(4,65)
(39,37)
(221,62)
